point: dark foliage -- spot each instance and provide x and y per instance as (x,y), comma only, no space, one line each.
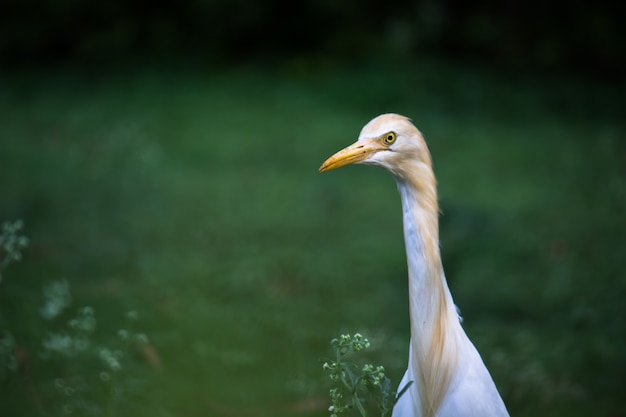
(573,37)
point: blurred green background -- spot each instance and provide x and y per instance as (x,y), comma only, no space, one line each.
(163,158)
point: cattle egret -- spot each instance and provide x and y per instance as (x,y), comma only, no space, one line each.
(448,374)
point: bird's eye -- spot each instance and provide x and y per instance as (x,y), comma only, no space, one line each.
(390,138)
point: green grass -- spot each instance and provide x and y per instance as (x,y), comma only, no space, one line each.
(193,198)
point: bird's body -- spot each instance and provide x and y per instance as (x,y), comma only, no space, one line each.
(449,376)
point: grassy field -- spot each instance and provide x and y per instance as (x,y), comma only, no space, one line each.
(192,198)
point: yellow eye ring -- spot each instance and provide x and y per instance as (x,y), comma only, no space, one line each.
(389,138)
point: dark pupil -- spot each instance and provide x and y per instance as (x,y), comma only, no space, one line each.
(389,138)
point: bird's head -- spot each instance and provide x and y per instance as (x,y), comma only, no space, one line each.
(389,141)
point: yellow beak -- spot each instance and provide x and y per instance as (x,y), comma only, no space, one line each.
(353,154)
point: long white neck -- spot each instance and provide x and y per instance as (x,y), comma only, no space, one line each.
(435,327)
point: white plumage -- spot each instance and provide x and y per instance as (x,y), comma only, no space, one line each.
(449,376)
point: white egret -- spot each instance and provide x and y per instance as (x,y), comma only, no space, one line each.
(448,374)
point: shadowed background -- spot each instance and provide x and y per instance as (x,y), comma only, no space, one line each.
(163,158)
